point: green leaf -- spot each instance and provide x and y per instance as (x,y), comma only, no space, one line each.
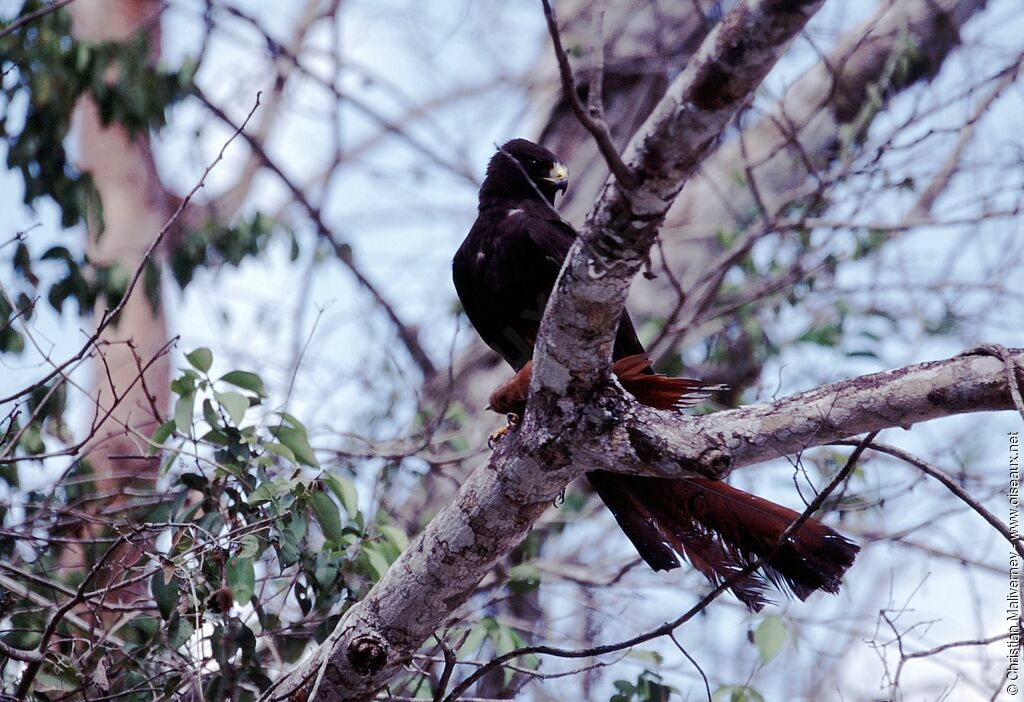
(396,536)
(265,492)
(194,481)
(280,450)
(201,359)
(241,578)
(246,381)
(504,641)
(161,435)
(179,632)
(769,637)
(523,578)
(183,409)
(474,640)
(295,439)
(297,526)
(345,492)
(185,384)
(249,546)
(210,415)
(328,516)
(327,568)
(165,593)
(378,563)
(293,421)
(234,403)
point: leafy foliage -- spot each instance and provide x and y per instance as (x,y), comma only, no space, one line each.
(260,543)
(46,71)
(215,243)
(647,688)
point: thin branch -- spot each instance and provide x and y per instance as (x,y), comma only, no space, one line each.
(342,251)
(110,314)
(935,472)
(33,16)
(923,207)
(591,122)
(29,674)
(595,94)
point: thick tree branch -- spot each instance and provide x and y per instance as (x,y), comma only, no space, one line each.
(498,504)
(715,444)
(669,627)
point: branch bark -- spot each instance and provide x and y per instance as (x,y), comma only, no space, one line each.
(715,444)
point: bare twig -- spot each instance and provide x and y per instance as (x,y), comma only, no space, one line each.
(342,251)
(29,674)
(923,206)
(110,314)
(950,484)
(33,16)
(591,122)
(595,94)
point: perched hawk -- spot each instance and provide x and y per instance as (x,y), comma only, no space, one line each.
(504,272)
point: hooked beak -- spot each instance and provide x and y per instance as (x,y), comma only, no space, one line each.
(559,176)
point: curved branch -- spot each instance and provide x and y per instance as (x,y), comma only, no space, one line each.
(954,487)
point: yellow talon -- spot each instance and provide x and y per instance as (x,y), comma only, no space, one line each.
(499,434)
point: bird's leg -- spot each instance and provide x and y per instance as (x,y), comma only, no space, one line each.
(499,434)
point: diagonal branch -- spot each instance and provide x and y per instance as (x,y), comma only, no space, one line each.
(343,252)
(498,504)
(669,627)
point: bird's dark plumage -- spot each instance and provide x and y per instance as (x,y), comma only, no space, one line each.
(504,272)
(507,266)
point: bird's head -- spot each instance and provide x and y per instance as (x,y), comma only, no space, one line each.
(524,169)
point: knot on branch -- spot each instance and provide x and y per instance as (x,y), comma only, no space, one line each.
(716,463)
(368,654)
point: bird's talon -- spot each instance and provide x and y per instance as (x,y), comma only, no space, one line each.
(498,435)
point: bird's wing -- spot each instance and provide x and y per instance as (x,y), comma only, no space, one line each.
(550,233)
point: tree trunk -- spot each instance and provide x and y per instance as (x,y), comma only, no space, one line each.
(130,365)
